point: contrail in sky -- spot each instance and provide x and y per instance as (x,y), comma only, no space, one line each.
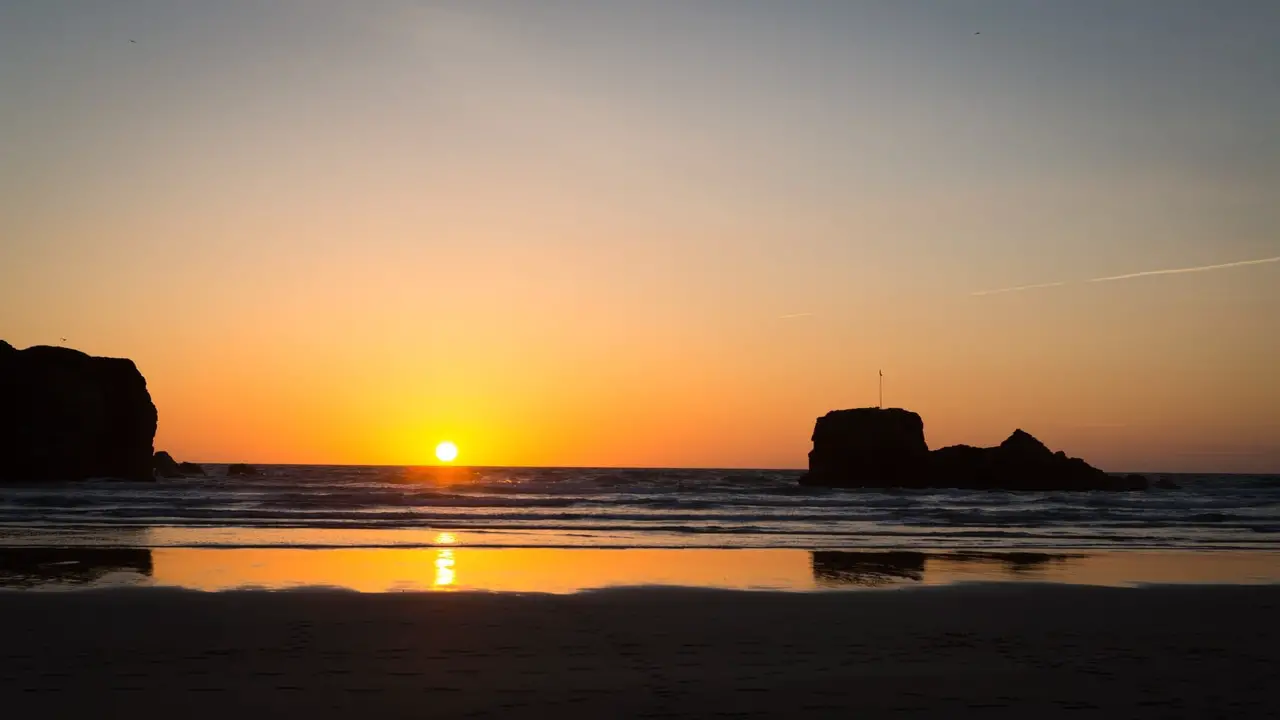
(1016,289)
(1176,271)
(794,315)
(1145,273)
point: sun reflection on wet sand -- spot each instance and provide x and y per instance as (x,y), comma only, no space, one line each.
(448,567)
(444,568)
(500,570)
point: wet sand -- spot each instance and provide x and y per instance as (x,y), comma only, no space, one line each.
(990,651)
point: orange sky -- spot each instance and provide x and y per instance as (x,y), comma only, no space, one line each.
(572,235)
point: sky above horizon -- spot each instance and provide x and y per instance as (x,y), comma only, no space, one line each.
(654,233)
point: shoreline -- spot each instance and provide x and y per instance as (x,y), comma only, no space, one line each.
(966,650)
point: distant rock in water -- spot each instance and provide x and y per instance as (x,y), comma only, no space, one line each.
(885,447)
(241,469)
(71,416)
(165,466)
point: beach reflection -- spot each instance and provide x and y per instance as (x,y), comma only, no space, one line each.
(1115,568)
(444,568)
(880,569)
(448,567)
(867,569)
(530,570)
(73,567)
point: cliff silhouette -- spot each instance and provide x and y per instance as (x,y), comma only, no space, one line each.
(72,416)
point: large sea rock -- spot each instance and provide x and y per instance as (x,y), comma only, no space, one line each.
(885,448)
(69,416)
(885,444)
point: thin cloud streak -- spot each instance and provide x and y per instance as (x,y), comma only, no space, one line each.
(1017,289)
(1129,276)
(1176,271)
(795,315)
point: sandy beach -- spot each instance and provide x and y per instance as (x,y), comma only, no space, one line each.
(980,650)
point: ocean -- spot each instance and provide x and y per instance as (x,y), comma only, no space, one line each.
(312,506)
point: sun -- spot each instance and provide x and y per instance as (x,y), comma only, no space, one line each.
(446,452)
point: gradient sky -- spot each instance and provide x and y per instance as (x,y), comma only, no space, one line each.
(658,233)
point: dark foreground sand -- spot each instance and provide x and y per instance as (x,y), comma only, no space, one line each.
(989,651)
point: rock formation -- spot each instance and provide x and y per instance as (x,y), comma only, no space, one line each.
(875,447)
(241,469)
(886,445)
(165,466)
(69,416)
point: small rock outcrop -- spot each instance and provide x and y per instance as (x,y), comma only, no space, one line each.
(241,469)
(879,448)
(70,416)
(165,466)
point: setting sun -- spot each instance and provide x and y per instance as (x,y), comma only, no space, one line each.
(446,451)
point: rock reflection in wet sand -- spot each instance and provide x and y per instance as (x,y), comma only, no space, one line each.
(33,567)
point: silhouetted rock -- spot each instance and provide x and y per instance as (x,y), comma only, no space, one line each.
(1134,481)
(69,416)
(1022,447)
(165,466)
(1166,483)
(877,448)
(884,444)
(241,469)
